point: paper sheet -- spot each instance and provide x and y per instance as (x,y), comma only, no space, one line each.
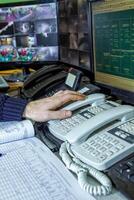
(30,171)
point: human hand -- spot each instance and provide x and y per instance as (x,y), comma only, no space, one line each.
(46,109)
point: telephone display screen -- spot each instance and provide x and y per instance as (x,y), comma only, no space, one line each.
(70,80)
(28,33)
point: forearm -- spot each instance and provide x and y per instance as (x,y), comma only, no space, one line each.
(11,109)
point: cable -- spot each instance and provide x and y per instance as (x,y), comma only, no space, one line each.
(83,171)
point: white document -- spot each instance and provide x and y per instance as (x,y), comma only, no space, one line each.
(11,131)
(30,171)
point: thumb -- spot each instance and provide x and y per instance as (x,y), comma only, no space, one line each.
(60,114)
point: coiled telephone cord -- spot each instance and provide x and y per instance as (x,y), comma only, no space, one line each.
(83,171)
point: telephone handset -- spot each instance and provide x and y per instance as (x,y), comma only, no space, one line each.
(93,99)
(93,104)
(40,81)
(91,148)
(46,70)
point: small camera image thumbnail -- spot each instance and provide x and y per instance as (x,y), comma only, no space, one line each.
(83,23)
(25,41)
(48,26)
(26,54)
(72,7)
(73,24)
(73,41)
(82,6)
(64,54)
(62,9)
(6,41)
(24,27)
(47,11)
(49,39)
(23,13)
(47,54)
(63,26)
(83,41)
(64,40)
(6,15)
(8,54)
(6,28)
(74,57)
(84,60)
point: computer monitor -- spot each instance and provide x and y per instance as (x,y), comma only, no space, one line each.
(28,33)
(113,44)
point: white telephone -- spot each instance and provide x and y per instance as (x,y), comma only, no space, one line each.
(93,104)
(97,144)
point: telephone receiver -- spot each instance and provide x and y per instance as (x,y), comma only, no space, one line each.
(39,82)
(94,99)
(81,133)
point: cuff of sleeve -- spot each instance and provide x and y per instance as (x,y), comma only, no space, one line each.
(13,109)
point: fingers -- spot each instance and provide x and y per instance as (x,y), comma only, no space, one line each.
(63,92)
(64,97)
(60,114)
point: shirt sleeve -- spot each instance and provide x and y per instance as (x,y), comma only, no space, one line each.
(11,109)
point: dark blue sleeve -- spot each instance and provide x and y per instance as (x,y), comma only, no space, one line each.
(11,109)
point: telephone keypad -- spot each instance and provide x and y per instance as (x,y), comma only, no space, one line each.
(102,147)
(66,125)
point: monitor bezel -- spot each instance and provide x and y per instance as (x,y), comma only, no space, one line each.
(19,64)
(126,96)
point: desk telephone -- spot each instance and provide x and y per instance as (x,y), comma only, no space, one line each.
(37,84)
(96,137)
(52,78)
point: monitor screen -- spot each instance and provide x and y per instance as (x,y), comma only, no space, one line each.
(28,33)
(113,36)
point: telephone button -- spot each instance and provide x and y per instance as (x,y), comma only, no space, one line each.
(90,149)
(97,145)
(104,142)
(117,133)
(130,163)
(110,153)
(85,145)
(95,153)
(98,139)
(115,149)
(120,146)
(109,145)
(91,142)
(123,168)
(115,142)
(123,135)
(102,149)
(103,157)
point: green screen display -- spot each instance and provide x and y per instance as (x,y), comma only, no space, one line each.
(114,43)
